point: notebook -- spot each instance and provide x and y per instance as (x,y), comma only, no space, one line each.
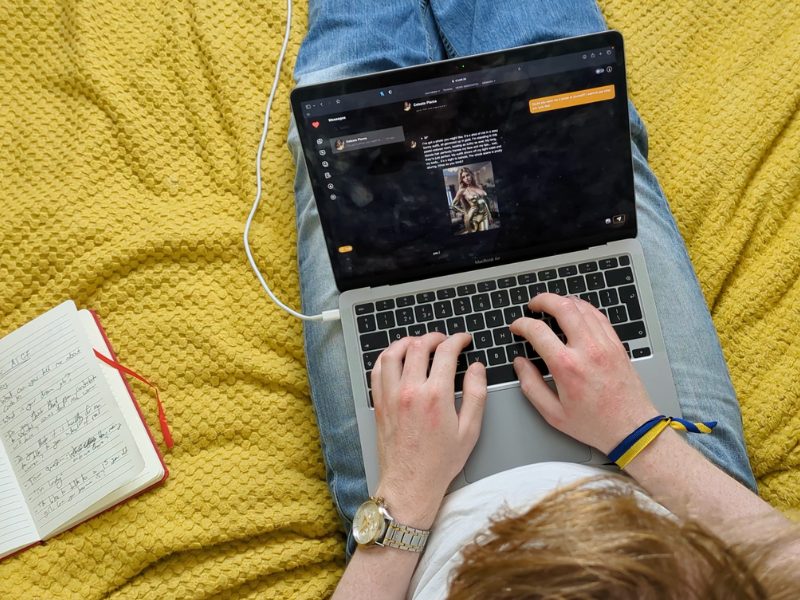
(451,193)
(73,441)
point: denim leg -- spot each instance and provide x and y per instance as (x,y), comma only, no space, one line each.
(345,38)
(701,376)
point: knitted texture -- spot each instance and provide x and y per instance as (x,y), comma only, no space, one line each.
(127,137)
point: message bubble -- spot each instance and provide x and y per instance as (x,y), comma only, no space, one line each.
(588,96)
(367,139)
(455,150)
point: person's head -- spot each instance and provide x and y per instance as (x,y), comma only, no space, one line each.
(339,144)
(465,177)
(600,541)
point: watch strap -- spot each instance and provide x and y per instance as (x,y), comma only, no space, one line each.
(405,537)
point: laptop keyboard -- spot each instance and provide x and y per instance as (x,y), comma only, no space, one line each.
(486,308)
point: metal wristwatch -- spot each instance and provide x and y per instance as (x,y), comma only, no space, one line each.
(374,526)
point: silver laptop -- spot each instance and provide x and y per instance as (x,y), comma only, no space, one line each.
(451,193)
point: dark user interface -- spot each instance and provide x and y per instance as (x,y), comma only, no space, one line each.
(477,168)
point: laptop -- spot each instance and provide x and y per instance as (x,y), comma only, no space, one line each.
(450,193)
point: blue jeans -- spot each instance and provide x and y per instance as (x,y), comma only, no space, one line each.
(353,37)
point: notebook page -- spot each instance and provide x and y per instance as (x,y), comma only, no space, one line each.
(16,524)
(62,430)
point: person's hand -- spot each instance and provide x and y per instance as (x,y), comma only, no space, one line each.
(422,441)
(600,397)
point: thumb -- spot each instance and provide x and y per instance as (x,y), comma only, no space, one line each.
(473,401)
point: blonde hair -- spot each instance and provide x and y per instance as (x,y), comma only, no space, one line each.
(590,541)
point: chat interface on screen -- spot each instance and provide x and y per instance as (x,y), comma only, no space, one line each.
(470,169)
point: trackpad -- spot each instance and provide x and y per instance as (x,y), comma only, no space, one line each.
(514,434)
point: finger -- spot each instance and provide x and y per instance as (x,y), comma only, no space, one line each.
(592,325)
(443,371)
(377,387)
(539,334)
(473,402)
(391,361)
(418,356)
(601,321)
(537,391)
(564,310)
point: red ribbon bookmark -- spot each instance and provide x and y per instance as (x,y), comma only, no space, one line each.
(162,416)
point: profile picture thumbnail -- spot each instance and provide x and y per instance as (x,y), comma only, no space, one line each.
(406,106)
(471,198)
(339,144)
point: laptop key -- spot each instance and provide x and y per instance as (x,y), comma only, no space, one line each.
(547,275)
(629,297)
(487,286)
(496,356)
(621,276)
(476,356)
(423,297)
(630,331)
(494,318)
(641,352)
(595,281)
(617,314)
(624,260)
(446,293)
(608,263)
(500,299)
(466,290)
(482,339)
(456,325)
(576,285)
(385,320)
(443,309)
(519,295)
(404,316)
(397,334)
(526,278)
(515,350)
(423,312)
(536,289)
(370,358)
(542,366)
(507,282)
(591,298)
(559,286)
(374,341)
(366,323)
(437,326)
(501,374)
(363,309)
(480,302)
(405,301)
(587,267)
(530,352)
(502,336)
(462,306)
(475,322)
(567,271)
(609,297)
(461,363)
(385,304)
(511,314)
(416,330)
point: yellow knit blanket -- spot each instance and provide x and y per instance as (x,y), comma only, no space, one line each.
(128,131)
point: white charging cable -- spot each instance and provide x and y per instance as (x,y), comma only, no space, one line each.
(325,315)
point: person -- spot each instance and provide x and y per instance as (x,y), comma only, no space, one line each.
(471,202)
(549,529)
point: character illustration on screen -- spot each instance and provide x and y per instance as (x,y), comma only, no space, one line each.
(471,206)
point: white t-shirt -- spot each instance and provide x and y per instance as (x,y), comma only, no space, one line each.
(467,511)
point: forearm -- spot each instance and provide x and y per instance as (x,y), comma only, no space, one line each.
(686,483)
(377,573)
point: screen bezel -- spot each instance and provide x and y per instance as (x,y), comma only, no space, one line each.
(395,77)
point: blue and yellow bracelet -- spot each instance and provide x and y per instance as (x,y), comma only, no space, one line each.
(637,441)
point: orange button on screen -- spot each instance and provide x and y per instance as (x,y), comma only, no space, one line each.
(576,98)
(345,249)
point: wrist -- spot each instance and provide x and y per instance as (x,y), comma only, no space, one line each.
(662,453)
(417,510)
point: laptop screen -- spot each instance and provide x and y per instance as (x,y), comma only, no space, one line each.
(456,165)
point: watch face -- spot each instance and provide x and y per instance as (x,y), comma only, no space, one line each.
(368,523)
